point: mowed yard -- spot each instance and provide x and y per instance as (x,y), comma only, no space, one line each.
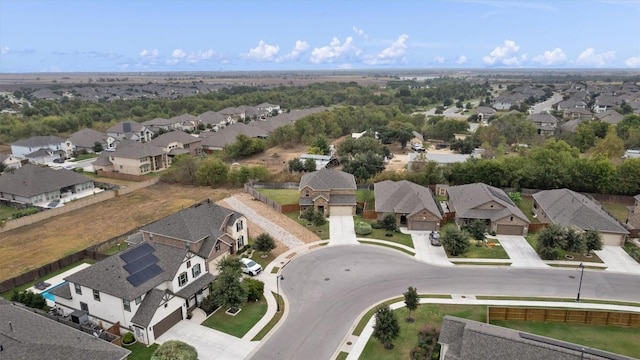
(32,246)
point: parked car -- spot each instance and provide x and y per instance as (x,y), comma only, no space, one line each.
(250,267)
(434,237)
(58,161)
(417,147)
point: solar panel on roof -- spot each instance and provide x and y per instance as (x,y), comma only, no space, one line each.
(500,195)
(138,252)
(143,275)
(141,263)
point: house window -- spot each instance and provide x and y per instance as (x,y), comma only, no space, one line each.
(126,305)
(84,307)
(306,193)
(78,289)
(96,295)
(511,219)
(182,279)
(138,300)
(196,271)
(241,241)
(239,225)
(188,264)
(217,247)
(535,205)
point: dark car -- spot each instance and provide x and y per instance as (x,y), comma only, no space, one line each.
(58,161)
(434,237)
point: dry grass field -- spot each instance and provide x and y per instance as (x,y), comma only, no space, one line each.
(32,246)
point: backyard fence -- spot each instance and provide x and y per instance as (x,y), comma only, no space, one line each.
(258,196)
(591,317)
(121,176)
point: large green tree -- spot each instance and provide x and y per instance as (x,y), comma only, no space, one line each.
(175,350)
(212,172)
(227,290)
(264,243)
(386,328)
(454,240)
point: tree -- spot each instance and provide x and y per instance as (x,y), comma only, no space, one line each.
(592,241)
(386,328)
(516,197)
(212,172)
(318,218)
(476,228)
(97,147)
(411,301)
(611,146)
(175,350)
(363,166)
(255,288)
(454,241)
(549,239)
(296,165)
(264,243)
(572,241)
(227,290)
(388,222)
(309,164)
(320,146)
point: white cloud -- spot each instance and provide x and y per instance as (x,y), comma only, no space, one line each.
(199,55)
(149,54)
(4,51)
(439,60)
(360,32)
(298,49)
(633,62)
(461,60)
(344,66)
(263,51)
(391,54)
(178,54)
(334,50)
(590,57)
(505,55)
(549,58)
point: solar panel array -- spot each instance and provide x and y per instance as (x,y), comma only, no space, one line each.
(141,264)
(500,195)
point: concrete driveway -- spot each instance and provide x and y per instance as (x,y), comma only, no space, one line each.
(342,231)
(425,251)
(618,260)
(520,252)
(210,344)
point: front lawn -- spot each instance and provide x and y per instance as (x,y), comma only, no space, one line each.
(381,234)
(532,239)
(282,196)
(141,351)
(239,324)
(321,231)
(619,211)
(489,250)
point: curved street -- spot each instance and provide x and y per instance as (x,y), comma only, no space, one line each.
(327,289)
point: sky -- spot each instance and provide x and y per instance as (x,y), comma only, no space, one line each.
(252,35)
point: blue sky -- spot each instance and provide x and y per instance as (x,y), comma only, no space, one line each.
(221,35)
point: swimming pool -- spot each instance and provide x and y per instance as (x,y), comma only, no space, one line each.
(48,296)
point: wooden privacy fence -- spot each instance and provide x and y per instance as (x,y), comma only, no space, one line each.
(591,317)
(258,196)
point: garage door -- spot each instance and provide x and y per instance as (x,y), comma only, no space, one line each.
(166,323)
(510,229)
(612,239)
(423,225)
(341,210)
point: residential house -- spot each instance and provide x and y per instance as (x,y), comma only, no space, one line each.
(24,334)
(571,104)
(571,209)
(545,122)
(413,205)
(213,120)
(633,219)
(130,130)
(185,122)
(505,102)
(252,113)
(604,103)
(571,126)
(223,137)
(484,113)
(45,156)
(233,114)
(286,118)
(28,148)
(43,186)
(464,339)
(158,124)
(85,140)
(177,143)
(609,116)
(146,289)
(268,108)
(10,161)
(487,203)
(134,158)
(209,230)
(577,113)
(329,191)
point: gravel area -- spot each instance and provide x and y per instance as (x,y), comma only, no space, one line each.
(271,221)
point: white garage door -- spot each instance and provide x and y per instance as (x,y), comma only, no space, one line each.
(341,210)
(612,239)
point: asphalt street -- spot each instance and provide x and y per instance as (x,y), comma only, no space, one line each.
(328,288)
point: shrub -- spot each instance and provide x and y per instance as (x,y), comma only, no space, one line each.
(174,349)
(128,338)
(29,299)
(318,219)
(376,225)
(255,289)
(209,304)
(363,228)
(547,253)
(388,222)
(635,254)
(476,229)
(307,214)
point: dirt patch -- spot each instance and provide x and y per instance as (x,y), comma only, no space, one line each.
(35,245)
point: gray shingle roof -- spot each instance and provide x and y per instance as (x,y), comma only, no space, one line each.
(109,275)
(342,199)
(63,291)
(327,179)
(119,128)
(184,118)
(130,149)
(571,125)
(30,180)
(157,122)
(569,208)
(473,340)
(37,337)
(195,286)
(465,200)
(212,117)
(218,139)
(194,223)
(44,152)
(543,118)
(86,138)
(174,136)
(404,197)
(148,307)
(39,141)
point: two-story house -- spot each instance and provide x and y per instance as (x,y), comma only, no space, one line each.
(545,122)
(146,289)
(86,140)
(177,143)
(134,158)
(130,130)
(413,205)
(329,191)
(185,122)
(487,203)
(33,146)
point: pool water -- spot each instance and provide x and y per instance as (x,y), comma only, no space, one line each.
(48,296)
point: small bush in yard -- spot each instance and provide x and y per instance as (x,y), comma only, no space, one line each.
(318,219)
(388,222)
(255,289)
(128,338)
(307,214)
(363,228)
(635,253)
(30,299)
(208,304)
(175,350)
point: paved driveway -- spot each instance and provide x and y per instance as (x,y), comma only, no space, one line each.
(210,344)
(618,260)
(425,251)
(341,230)
(520,252)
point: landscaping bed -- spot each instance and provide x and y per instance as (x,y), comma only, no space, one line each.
(563,255)
(381,234)
(321,231)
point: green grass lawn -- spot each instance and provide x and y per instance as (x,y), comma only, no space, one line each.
(115,249)
(628,246)
(619,211)
(84,157)
(526,205)
(366,196)
(483,252)
(281,196)
(620,340)
(141,351)
(7,211)
(532,239)
(274,320)
(321,231)
(7,294)
(381,234)
(430,315)
(240,324)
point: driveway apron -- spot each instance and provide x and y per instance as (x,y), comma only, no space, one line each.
(618,260)
(342,231)
(520,252)
(425,251)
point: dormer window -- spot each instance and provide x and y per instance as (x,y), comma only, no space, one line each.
(306,193)
(239,225)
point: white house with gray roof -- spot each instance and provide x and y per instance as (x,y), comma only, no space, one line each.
(146,289)
(130,130)
(413,205)
(571,209)
(24,148)
(86,139)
